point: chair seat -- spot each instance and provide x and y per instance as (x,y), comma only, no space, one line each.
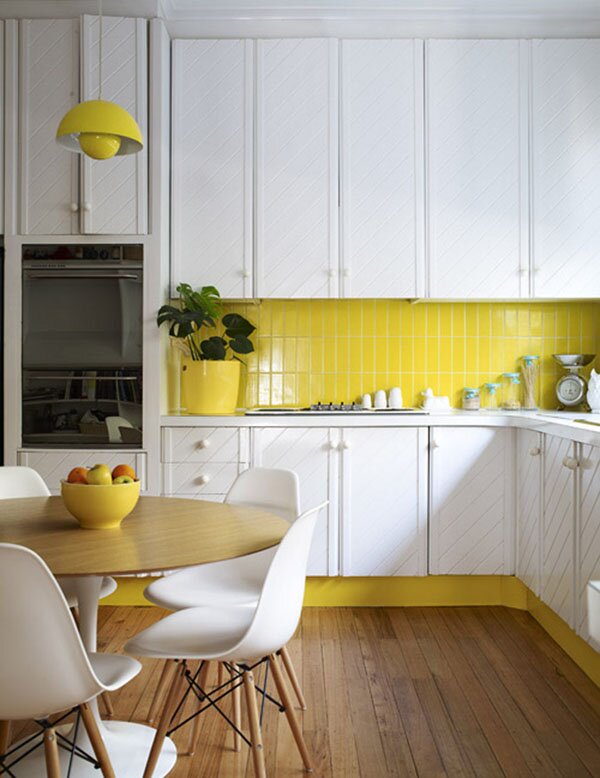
(114,670)
(194,633)
(232,582)
(69,589)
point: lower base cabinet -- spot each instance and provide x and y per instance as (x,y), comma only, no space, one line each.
(588,549)
(529,508)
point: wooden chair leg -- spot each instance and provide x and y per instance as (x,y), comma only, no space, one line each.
(163,683)
(236,696)
(4,736)
(289,712)
(163,724)
(91,727)
(291,673)
(75,614)
(258,755)
(220,673)
(195,729)
(51,754)
(107,703)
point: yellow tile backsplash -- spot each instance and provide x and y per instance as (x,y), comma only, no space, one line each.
(310,350)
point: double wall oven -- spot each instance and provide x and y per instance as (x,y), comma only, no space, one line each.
(82,346)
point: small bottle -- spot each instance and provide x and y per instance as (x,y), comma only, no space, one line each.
(471,400)
(511,391)
(490,397)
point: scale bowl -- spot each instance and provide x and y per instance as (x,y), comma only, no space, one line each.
(574,360)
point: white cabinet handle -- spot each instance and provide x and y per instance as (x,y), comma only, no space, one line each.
(345,444)
(535,451)
(347,272)
(202,479)
(523,271)
(87,207)
(203,443)
(245,274)
(571,463)
(74,207)
(435,444)
(331,273)
(332,446)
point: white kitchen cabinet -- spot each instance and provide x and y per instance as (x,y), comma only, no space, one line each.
(296,168)
(381,168)
(565,157)
(63,193)
(313,454)
(529,508)
(54,465)
(471,508)
(476,142)
(384,502)
(212,160)
(557,584)
(588,551)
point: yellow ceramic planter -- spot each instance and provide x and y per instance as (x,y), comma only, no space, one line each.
(100,506)
(209,387)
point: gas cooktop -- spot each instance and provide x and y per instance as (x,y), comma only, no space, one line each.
(329,408)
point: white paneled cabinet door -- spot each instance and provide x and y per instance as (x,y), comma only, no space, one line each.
(558,526)
(471,512)
(381,168)
(589,532)
(529,507)
(313,455)
(565,159)
(114,192)
(48,88)
(476,143)
(296,168)
(212,121)
(384,502)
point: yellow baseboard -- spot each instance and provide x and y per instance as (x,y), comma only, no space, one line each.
(436,590)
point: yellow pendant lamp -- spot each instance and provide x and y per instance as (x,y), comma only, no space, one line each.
(98,128)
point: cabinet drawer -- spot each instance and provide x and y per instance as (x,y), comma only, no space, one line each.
(204,444)
(192,479)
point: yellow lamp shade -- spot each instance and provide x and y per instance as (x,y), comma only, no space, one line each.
(100,129)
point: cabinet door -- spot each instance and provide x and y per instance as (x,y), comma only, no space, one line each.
(529,507)
(565,158)
(476,144)
(588,567)
(384,502)
(471,503)
(381,168)
(212,165)
(114,191)
(557,528)
(313,455)
(296,168)
(49,87)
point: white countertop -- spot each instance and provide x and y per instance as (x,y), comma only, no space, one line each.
(562,424)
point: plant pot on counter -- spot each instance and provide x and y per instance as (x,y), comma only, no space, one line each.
(209,386)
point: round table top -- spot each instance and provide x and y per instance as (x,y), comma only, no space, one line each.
(161,533)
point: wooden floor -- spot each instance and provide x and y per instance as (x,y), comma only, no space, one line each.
(405,692)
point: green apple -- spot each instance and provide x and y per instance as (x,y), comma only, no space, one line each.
(123,479)
(99,475)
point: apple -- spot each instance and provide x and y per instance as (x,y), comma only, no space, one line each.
(78,475)
(123,470)
(99,475)
(123,479)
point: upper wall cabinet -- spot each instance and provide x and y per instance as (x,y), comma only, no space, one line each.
(565,162)
(475,147)
(381,168)
(212,165)
(111,197)
(296,168)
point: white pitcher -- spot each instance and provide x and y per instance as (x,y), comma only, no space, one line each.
(593,393)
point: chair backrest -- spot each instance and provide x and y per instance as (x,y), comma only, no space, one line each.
(44,667)
(280,604)
(21,481)
(273,490)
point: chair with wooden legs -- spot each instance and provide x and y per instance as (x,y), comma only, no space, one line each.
(45,669)
(234,581)
(243,638)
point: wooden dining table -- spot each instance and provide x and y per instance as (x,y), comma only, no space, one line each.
(161,533)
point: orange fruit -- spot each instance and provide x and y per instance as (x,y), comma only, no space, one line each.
(124,470)
(78,475)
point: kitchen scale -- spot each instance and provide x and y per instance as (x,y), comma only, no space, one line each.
(571,388)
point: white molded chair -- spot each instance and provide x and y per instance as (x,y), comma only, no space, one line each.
(240,636)
(45,668)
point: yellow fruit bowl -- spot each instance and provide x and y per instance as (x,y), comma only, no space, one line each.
(98,506)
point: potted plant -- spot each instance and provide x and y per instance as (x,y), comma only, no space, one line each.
(210,369)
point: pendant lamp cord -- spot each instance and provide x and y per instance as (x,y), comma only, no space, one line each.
(100,50)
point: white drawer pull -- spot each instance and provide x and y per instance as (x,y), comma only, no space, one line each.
(345,445)
(332,446)
(435,444)
(87,207)
(74,207)
(203,443)
(246,274)
(535,451)
(347,272)
(202,479)
(571,463)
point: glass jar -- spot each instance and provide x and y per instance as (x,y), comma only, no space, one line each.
(530,371)
(511,391)
(470,399)
(490,400)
